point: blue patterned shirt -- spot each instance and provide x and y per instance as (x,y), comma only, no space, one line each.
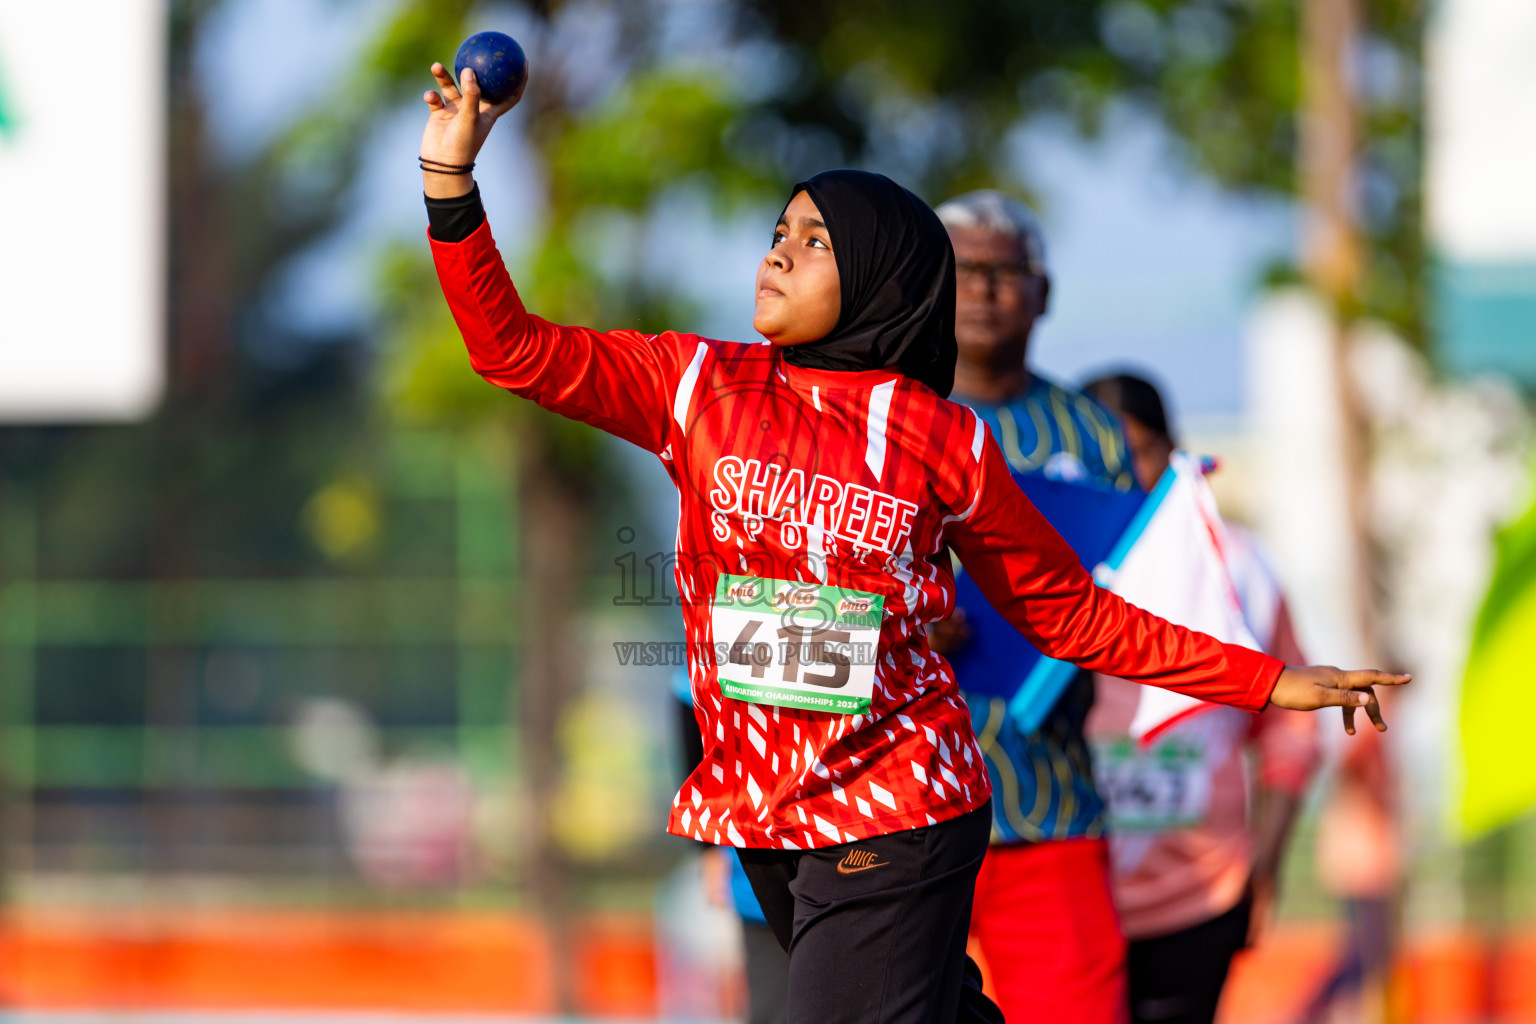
(1042,782)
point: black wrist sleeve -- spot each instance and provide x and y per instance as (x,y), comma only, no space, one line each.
(453,220)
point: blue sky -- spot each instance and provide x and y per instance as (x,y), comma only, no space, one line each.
(1153,267)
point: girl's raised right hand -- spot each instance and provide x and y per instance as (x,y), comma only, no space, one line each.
(458,122)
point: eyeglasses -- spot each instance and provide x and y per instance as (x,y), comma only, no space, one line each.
(994,273)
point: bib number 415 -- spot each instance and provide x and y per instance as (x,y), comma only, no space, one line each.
(802,645)
(795,644)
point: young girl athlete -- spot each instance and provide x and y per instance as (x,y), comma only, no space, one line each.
(822,477)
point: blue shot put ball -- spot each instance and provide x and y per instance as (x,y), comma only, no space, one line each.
(499,63)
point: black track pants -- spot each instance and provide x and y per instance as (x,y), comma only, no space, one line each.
(876,929)
(1178,978)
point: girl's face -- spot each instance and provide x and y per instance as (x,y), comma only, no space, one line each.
(799,296)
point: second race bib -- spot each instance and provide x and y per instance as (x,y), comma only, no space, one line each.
(796,645)
(1167,785)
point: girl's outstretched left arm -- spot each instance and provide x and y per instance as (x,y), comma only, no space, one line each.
(1034,579)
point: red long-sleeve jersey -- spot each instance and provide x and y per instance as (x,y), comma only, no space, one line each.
(815,510)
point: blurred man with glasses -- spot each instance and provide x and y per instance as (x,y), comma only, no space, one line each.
(1044,914)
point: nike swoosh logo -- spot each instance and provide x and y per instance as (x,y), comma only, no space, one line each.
(860,860)
(844,869)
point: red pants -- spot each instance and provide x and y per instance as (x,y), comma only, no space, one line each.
(1045,921)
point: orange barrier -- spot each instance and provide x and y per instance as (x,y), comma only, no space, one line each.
(423,962)
(1514,979)
(483,962)
(1441,978)
(1447,979)
(1271,984)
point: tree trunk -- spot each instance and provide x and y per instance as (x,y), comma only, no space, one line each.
(1332,255)
(554,520)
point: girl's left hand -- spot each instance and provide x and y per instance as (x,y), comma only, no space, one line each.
(1323,686)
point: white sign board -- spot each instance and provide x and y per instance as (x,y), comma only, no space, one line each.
(1481,110)
(1480,164)
(82,209)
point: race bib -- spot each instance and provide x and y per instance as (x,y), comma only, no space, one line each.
(1152,789)
(796,645)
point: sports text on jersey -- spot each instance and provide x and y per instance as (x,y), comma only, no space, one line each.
(862,516)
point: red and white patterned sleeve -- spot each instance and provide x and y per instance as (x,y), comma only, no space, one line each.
(1034,579)
(624,382)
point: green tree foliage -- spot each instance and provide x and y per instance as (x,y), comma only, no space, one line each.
(933,89)
(931,93)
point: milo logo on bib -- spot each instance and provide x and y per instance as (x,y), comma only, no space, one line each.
(796,645)
(856,605)
(743,591)
(795,595)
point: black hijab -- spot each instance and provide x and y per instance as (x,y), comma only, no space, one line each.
(898,281)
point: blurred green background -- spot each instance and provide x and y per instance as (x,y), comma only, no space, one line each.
(333,627)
